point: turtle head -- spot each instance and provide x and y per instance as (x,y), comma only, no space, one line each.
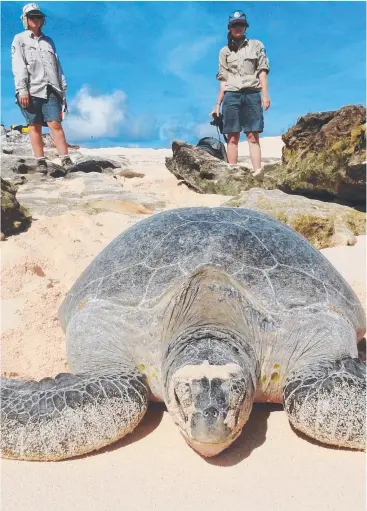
(210,402)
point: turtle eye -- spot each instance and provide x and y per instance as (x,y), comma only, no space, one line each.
(236,388)
(236,385)
(237,391)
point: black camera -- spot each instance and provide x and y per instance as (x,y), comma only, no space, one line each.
(217,121)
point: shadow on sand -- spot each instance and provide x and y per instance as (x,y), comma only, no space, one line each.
(252,436)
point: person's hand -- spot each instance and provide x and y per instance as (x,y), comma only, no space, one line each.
(215,111)
(24,101)
(265,101)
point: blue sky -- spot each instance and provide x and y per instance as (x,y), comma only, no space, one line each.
(143,73)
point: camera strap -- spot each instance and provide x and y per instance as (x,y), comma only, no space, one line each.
(223,134)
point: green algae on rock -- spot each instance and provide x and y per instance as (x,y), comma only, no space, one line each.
(324,157)
(14,217)
(324,224)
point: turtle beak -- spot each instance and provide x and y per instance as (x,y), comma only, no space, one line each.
(210,449)
(208,431)
(208,426)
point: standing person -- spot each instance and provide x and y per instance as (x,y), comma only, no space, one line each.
(243,92)
(40,85)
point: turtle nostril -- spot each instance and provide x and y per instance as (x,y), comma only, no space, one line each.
(211,412)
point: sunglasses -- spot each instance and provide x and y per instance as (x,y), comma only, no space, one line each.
(35,17)
(237,25)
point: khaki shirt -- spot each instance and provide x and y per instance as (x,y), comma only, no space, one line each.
(35,65)
(241,69)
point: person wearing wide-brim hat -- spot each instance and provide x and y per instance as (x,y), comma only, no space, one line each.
(40,85)
(243,93)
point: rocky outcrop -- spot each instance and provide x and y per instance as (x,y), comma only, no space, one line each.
(14,217)
(93,163)
(324,157)
(206,174)
(18,144)
(91,192)
(15,141)
(17,157)
(324,224)
(13,165)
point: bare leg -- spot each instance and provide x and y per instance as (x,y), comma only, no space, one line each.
(255,150)
(58,136)
(232,148)
(35,135)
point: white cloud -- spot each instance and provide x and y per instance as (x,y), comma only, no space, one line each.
(106,116)
(95,116)
(185,130)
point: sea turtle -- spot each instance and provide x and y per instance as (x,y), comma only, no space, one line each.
(208,310)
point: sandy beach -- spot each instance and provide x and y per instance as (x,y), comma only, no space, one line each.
(269,467)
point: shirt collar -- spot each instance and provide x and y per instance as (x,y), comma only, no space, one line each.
(243,43)
(31,34)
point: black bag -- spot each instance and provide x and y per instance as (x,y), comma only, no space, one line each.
(214,147)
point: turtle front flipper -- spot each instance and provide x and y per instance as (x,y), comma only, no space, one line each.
(328,402)
(70,415)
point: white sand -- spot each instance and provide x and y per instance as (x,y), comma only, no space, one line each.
(269,467)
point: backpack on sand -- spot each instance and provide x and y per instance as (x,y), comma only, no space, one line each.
(212,145)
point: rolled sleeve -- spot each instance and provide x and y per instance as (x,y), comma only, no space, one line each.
(262,59)
(19,68)
(222,74)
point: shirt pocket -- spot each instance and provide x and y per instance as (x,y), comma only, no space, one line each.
(249,63)
(232,63)
(48,57)
(30,53)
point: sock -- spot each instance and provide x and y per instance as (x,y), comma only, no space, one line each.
(39,158)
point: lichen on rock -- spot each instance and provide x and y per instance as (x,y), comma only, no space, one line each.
(324,224)
(206,174)
(14,217)
(324,157)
